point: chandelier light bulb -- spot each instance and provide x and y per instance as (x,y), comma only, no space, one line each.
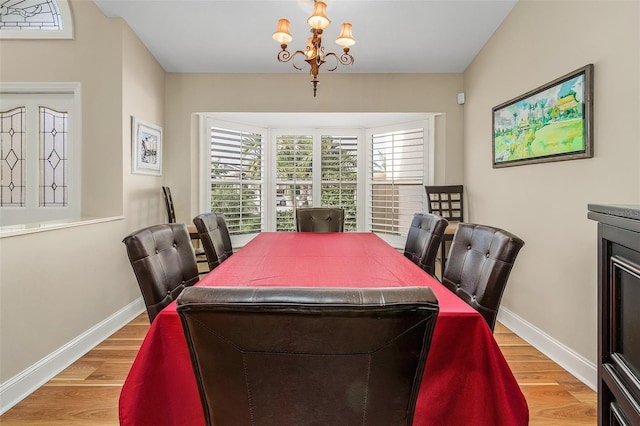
(310,52)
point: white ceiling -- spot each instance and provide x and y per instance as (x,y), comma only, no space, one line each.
(392,36)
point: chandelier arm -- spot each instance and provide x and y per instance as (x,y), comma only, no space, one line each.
(344,59)
(286,56)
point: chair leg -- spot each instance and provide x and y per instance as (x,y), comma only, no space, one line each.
(443,257)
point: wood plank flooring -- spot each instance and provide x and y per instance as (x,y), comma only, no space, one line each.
(86,393)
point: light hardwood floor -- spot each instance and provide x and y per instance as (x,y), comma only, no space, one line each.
(86,393)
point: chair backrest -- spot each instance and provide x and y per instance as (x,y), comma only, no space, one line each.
(168,200)
(446,201)
(226,237)
(423,240)
(212,237)
(164,263)
(479,264)
(308,356)
(320,219)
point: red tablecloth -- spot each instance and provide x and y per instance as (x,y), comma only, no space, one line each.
(466,381)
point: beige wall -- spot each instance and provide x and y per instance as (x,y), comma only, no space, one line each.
(143,97)
(58,284)
(191,93)
(553,284)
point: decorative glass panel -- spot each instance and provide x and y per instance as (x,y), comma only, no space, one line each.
(236,179)
(339,176)
(294,174)
(54,164)
(12,157)
(397,176)
(30,15)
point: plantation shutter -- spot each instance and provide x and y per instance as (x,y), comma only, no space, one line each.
(339,180)
(236,178)
(294,174)
(397,179)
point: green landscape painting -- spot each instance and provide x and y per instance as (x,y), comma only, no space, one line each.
(544,125)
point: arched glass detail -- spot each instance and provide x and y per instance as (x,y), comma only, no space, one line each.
(35,19)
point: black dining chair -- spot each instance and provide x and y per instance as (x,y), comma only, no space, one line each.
(320,219)
(164,263)
(193,232)
(423,240)
(480,261)
(226,236)
(308,356)
(214,235)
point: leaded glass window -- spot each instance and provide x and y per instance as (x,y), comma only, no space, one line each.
(39,153)
(30,15)
(35,19)
(12,157)
(53,161)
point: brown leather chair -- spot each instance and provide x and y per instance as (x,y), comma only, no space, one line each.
(164,263)
(308,356)
(480,261)
(320,219)
(446,201)
(213,236)
(423,240)
(226,237)
(171,218)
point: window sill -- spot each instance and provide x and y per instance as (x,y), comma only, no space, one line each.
(31,228)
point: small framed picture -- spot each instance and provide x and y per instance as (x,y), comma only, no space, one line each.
(146,148)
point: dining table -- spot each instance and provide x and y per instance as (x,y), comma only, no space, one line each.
(466,380)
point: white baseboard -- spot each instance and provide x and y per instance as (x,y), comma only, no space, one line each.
(23,384)
(583,369)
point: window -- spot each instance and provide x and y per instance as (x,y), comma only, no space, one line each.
(331,181)
(397,173)
(35,19)
(294,178)
(258,177)
(12,157)
(236,178)
(39,161)
(340,176)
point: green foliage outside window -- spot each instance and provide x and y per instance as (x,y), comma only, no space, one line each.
(236,189)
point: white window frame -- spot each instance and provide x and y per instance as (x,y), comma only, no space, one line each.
(32,213)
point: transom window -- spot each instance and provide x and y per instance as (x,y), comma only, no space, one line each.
(35,19)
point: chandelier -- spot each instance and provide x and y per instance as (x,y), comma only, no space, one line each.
(314,53)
